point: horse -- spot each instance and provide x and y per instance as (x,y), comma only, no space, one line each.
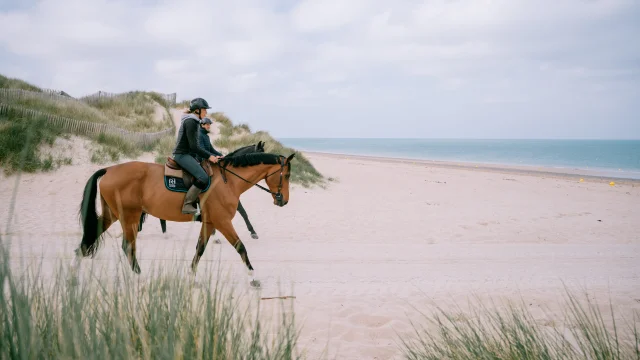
(129,188)
(259,147)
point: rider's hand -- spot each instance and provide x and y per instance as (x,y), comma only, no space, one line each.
(213,159)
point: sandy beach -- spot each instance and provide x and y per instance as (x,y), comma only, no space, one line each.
(381,242)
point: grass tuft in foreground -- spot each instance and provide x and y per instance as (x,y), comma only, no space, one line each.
(513,333)
(59,315)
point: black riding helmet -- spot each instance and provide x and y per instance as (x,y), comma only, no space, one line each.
(199,103)
(206,121)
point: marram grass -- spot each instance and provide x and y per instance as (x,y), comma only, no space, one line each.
(165,315)
(511,332)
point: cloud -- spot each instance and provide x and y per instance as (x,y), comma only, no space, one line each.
(331,68)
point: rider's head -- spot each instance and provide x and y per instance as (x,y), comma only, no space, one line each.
(206,124)
(199,107)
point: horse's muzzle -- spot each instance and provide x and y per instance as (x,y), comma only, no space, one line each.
(279,200)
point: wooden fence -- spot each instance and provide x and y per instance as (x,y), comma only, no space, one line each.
(87,128)
(169,98)
(61,95)
(23,94)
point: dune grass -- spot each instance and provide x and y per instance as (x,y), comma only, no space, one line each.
(132,111)
(13,83)
(164,148)
(20,140)
(234,136)
(513,333)
(60,314)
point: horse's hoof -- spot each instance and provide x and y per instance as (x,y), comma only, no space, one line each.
(254,235)
(255,283)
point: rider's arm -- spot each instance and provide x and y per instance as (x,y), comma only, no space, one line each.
(208,146)
(191,128)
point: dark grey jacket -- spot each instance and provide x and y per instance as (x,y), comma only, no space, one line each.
(206,142)
(189,140)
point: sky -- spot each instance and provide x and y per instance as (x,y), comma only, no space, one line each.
(350,68)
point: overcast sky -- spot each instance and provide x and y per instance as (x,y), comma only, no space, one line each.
(350,68)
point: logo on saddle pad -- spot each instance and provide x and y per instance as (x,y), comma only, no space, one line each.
(178,180)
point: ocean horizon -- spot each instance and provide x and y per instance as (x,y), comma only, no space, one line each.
(617,158)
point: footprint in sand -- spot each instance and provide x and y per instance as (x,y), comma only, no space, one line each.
(370,321)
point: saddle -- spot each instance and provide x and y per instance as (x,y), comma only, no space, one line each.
(173,170)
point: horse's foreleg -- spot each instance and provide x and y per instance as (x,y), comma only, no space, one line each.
(244,215)
(130,223)
(226,228)
(205,233)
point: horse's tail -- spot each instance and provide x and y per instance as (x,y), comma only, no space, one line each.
(163,225)
(91,223)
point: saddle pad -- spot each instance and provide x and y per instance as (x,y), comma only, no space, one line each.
(176,184)
(172,172)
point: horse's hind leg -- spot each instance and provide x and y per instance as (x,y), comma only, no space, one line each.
(205,233)
(129,221)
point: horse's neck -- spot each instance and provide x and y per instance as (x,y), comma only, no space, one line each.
(253,174)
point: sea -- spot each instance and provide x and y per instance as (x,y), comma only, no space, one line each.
(614,158)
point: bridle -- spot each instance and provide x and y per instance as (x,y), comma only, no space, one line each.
(278,195)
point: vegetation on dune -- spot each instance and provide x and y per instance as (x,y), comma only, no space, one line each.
(135,111)
(12,83)
(164,148)
(20,140)
(235,136)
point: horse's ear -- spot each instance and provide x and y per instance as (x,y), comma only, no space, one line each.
(291,157)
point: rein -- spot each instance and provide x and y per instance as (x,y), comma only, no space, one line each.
(277,194)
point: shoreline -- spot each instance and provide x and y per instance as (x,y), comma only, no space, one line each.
(543,171)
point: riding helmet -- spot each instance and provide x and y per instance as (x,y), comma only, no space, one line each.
(199,103)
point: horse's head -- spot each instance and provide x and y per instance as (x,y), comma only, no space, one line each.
(278,181)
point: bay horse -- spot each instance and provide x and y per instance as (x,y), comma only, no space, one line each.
(128,189)
(259,147)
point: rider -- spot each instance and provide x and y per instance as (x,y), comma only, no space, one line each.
(189,146)
(205,129)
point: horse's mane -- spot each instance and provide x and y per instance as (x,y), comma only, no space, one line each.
(252,159)
(247,149)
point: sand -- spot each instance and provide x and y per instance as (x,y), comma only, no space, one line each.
(384,239)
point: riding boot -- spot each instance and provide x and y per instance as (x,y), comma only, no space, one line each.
(190,199)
